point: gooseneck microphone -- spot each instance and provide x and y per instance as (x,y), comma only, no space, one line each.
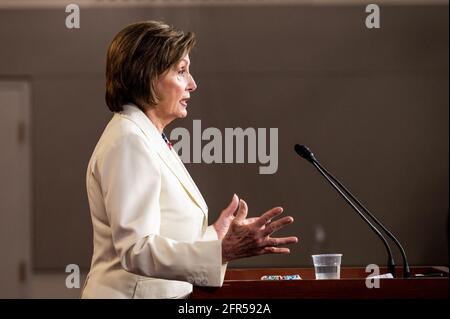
(306,153)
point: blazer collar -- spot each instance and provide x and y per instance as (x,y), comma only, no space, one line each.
(169,157)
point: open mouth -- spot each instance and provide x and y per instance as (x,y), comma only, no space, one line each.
(184,102)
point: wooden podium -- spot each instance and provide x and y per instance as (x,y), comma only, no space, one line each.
(246,284)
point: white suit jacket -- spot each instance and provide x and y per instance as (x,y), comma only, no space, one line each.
(150,222)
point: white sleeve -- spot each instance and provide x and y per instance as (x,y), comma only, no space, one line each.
(210,233)
(131,183)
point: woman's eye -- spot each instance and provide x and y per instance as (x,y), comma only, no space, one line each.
(182,72)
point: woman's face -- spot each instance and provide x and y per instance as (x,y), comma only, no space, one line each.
(174,88)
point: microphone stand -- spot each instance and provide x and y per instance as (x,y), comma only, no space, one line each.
(304,152)
(406,270)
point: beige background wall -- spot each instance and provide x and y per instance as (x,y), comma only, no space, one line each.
(372,104)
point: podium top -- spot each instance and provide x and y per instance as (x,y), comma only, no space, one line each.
(346,272)
(246,283)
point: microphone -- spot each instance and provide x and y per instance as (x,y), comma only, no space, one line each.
(306,153)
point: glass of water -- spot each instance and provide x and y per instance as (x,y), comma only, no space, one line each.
(327,266)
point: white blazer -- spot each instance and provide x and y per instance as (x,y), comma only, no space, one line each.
(150,222)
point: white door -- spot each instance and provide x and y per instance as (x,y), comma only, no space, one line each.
(15,189)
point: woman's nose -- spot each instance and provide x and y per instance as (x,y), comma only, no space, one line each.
(192,86)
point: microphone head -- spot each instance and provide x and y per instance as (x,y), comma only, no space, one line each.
(304,152)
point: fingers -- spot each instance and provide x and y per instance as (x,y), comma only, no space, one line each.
(276,225)
(274,243)
(232,207)
(267,216)
(242,212)
(275,250)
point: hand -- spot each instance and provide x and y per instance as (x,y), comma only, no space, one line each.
(251,237)
(226,217)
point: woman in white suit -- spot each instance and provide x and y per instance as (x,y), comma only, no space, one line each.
(150,221)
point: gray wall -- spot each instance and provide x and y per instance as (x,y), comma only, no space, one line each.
(372,104)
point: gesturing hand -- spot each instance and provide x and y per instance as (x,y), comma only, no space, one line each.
(251,237)
(226,217)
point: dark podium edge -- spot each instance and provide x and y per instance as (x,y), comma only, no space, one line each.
(246,283)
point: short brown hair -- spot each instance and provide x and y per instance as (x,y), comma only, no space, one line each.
(137,56)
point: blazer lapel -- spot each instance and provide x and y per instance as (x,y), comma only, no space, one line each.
(199,194)
(169,157)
